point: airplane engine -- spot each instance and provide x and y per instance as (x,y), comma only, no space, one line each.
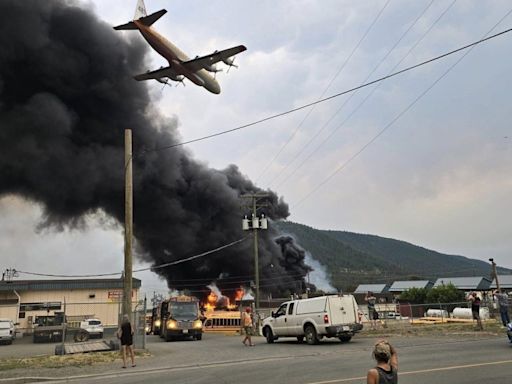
(178,78)
(229,62)
(212,68)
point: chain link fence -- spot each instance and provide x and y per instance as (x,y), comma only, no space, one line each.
(74,322)
(410,312)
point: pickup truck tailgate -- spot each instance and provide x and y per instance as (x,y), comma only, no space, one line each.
(343,310)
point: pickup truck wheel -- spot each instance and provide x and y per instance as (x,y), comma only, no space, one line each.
(199,337)
(311,336)
(300,339)
(345,339)
(269,335)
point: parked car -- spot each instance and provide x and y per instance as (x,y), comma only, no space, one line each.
(312,319)
(93,327)
(7,331)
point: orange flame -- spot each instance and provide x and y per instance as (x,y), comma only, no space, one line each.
(212,300)
(239,293)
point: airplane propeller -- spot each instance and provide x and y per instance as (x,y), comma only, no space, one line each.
(230,63)
(178,79)
(164,82)
(213,69)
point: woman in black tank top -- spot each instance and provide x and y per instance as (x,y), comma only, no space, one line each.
(125,334)
(386,371)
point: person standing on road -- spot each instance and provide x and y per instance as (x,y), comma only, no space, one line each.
(502,298)
(373,315)
(247,326)
(475,309)
(125,334)
(386,371)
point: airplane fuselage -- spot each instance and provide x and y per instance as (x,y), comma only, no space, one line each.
(175,57)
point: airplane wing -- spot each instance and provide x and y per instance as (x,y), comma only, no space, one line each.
(198,63)
(157,74)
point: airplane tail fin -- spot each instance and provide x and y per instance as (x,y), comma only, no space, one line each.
(140,10)
(146,20)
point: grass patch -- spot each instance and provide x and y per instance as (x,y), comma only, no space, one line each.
(392,328)
(75,360)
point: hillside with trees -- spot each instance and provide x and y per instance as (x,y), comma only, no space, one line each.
(353,258)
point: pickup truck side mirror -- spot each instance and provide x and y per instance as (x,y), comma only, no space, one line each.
(273,314)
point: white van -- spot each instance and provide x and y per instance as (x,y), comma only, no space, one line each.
(7,331)
(329,316)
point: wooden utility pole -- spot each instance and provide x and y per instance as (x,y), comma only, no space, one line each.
(495,273)
(254,206)
(128,224)
(256,260)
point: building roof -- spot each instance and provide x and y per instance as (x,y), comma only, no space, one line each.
(466,283)
(375,288)
(504,280)
(247,297)
(400,286)
(54,285)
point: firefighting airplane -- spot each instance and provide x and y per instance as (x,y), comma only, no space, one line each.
(180,65)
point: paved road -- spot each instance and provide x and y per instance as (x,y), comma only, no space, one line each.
(219,359)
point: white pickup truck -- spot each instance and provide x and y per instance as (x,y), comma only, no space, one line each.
(329,316)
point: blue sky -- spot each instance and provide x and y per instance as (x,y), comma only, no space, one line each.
(438,177)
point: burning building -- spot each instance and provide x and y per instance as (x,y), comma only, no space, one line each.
(217,301)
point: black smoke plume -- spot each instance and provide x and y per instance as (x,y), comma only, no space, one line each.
(66,96)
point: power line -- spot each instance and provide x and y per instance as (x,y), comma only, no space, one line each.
(210,279)
(193,257)
(142,269)
(350,98)
(325,90)
(404,111)
(297,282)
(237,282)
(290,111)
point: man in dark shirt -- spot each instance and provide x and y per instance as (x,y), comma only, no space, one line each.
(502,299)
(475,309)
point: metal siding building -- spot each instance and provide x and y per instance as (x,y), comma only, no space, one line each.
(24,300)
(61,285)
(375,288)
(400,286)
(466,283)
(504,280)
